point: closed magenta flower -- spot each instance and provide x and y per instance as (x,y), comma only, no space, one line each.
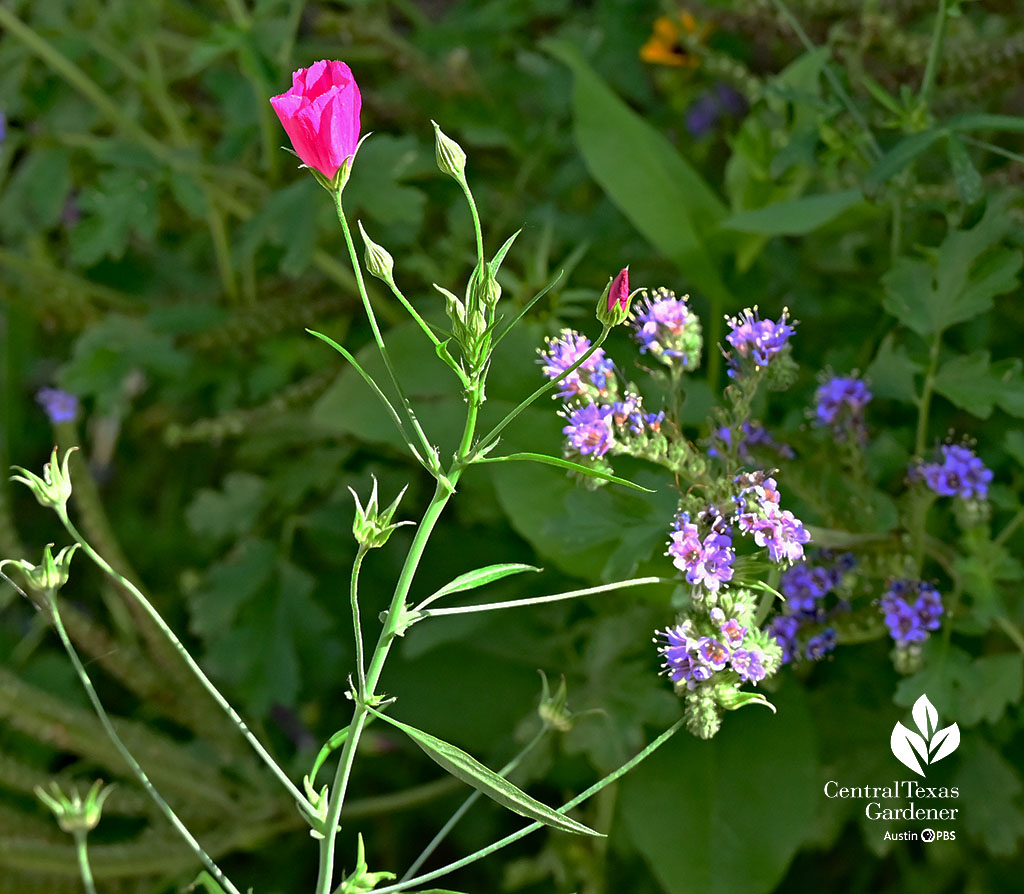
(613,305)
(321,116)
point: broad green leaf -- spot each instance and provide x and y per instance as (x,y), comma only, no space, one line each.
(997,823)
(966,381)
(1014,445)
(697,810)
(644,175)
(467,768)
(479,578)
(969,270)
(793,217)
(892,372)
(121,205)
(230,512)
(897,158)
(563,464)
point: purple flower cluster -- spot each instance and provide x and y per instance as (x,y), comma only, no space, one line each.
(759,515)
(839,404)
(960,474)
(589,429)
(706,112)
(707,561)
(693,659)
(805,587)
(667,328)
(754,435)
(912,610)
(756,340)
(59,406)
(593,429)
(593,379)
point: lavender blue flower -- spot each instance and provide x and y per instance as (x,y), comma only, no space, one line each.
(60,406)
(590,380)
(805,587)
(589,429)
(753,435)
(960,474)
(667,328)
(706,562)
(819,646)
(755,340)
(839,405)
(912,609)
(759,514)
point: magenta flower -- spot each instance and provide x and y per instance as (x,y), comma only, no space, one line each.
(618,295)
(321,115)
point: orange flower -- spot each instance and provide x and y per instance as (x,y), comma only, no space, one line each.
(665,46)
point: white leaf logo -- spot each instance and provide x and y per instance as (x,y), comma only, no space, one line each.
(930,745)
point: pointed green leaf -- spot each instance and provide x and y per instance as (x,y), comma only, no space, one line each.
(897,158)
(986,121)
(500,256)
(472,772)
(562,464)
(968,180)
(793,217)
(480,577)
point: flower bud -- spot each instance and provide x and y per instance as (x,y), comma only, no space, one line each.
(73,814)
(372,526)
(54,488)
(613,305)
(483,289)
(378,260)
(49,575)
(450,157)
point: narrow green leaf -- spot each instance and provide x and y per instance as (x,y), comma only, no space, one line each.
(793,217)
(526,308)
(897,158)
(968,180)
(882,96)
(479,577)
(562,464)
(467,768)
(208,882)
(500,256)
(985,121)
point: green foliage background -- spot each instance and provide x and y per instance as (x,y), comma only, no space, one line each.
(160,257)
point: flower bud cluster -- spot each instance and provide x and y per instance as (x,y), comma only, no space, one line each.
(806,587)
(753,436)
(708,656)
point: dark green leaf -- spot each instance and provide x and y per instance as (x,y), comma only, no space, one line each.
(966,381)
(997,823)
(644,175)
(892,372)
(793,217)
(986,121)
(965,174)
(897,158)
(230,512)
(486,781)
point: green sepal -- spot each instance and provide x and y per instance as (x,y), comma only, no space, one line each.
(500,255)
(467,768)
(208,882)
(740,698)
(562,464)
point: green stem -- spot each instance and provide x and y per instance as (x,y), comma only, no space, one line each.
(476,221)
(533,827)
(197,671)
(469,802)
(924,402)
(128,757)
(442,494)
(83,861)
(356,623)
(931,67)
(1011,526)
(377,337)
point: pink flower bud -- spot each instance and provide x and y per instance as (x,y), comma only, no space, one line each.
(321,115)
(618,294)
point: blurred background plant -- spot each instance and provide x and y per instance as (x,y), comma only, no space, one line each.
(160,256)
